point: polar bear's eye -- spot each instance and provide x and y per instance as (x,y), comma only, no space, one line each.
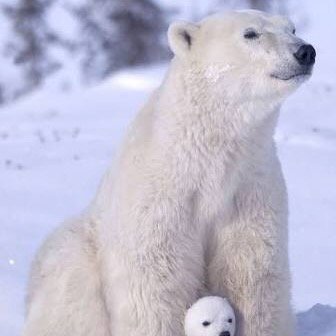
(251,34)
(230,320)
(294,31)
(206,323)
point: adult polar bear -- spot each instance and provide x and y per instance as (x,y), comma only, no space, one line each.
(196,201)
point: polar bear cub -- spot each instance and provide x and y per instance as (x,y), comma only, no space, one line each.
(210,316)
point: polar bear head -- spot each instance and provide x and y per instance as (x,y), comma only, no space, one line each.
(210,316)
(248,54)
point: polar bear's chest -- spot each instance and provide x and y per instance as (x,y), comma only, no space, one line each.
(216,197)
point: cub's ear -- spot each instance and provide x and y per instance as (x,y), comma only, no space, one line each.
(181,35)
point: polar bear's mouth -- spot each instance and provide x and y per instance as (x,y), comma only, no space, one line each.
(292,76)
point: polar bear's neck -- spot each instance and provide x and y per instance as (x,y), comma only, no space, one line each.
(189,108)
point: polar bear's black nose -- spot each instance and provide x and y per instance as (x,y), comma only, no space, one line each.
(305,55)
(225,333)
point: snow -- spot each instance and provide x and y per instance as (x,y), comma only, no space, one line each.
(54,148)
(56,143)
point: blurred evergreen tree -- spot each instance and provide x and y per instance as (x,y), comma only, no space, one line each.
(278,6)
(32,36)
(274,6)
(263,5)
(117,34)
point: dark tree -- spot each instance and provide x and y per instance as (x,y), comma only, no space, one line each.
(116,34)
(32,37)
(263,5)
(276,6)
(1,95)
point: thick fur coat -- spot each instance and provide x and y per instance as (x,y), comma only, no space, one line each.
(195,202)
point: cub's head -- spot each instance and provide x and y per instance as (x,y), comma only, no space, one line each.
(246,53)
(210,316)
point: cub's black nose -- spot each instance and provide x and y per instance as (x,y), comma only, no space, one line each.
(305,55)
(225,333)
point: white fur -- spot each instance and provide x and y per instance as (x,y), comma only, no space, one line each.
(216,312)
(195,203)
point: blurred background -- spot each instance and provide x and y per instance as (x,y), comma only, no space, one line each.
(93,38)
(73,73)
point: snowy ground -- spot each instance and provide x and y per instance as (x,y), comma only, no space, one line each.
(55,146)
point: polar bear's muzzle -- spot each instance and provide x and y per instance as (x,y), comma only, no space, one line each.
(304,61)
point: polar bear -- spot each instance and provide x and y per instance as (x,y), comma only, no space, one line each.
(210,316)
(195,202)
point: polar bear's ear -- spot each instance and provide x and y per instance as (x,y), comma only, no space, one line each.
(181,35)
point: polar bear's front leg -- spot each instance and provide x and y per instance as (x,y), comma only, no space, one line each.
(249,263)
(155,272)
